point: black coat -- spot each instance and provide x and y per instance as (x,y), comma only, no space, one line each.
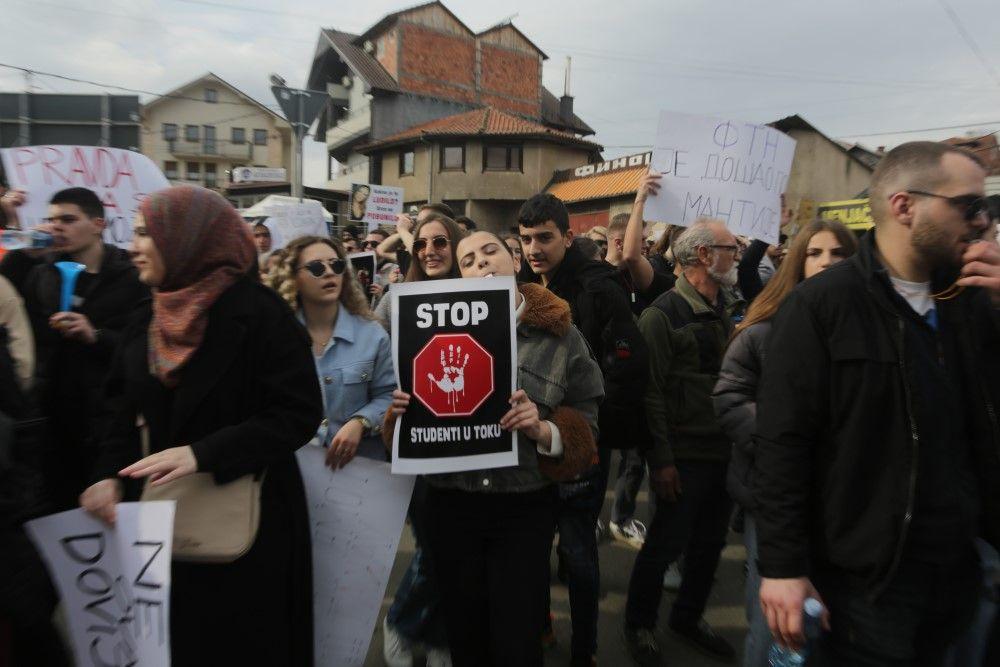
(838,443)
(246,400)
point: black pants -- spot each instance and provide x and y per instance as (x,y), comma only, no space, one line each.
(491,554)
(925,608)
(696,526)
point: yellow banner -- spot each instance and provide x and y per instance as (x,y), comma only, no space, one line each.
(855,213)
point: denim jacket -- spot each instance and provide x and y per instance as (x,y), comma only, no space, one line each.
(356,376)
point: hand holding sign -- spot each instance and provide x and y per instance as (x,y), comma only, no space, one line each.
(523,417)
(101,498)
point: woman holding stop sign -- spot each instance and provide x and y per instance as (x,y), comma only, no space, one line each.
(490,531)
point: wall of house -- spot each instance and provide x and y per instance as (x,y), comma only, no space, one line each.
(437,63)
(394,113)
(823,172)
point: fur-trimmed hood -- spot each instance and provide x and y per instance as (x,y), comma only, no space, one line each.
(544,310)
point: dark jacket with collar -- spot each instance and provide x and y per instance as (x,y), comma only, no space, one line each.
(686,339)
(838,445)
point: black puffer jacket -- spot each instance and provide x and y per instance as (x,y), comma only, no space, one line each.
(735,400)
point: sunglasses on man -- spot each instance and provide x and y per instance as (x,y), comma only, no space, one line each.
(365,245)
(972,206)
(438,243)
(317,267)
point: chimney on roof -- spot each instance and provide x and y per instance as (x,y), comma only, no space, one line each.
(566,101)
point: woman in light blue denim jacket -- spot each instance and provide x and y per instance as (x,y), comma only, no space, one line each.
(350,348)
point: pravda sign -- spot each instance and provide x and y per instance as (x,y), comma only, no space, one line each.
(452,375)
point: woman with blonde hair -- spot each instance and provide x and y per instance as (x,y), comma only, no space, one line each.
(818,246)
(351,351)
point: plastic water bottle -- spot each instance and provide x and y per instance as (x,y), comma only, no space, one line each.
(779,656)
(17,239)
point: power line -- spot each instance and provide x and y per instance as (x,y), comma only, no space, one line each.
(925,129)
(969,41)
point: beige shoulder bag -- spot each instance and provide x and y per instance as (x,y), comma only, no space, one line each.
(213,523)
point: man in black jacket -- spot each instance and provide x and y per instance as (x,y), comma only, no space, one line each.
(878,447)
(74,346)
(600,311)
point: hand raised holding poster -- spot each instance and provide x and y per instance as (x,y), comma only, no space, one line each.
(719,168)
(454,350)
(121,178)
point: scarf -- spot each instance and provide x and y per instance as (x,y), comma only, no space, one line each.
(206,247)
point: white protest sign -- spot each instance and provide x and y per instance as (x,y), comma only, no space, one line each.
(121,178)
(288,222)
(114,581)
(356,516)
(720,168)
(374,205)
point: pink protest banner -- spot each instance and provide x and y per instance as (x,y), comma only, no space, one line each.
(121,178)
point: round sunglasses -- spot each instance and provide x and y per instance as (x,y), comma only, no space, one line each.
(438,243)
(317,267)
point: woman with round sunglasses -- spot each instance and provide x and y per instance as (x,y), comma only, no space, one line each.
(351,351)
(491,530)
(433,252)
(221,373)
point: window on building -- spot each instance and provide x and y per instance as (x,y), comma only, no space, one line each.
(502,157)
(406,162)
(239,136)
(210,176)
(192,133)
(211,95)
(194,171)
(170,170)
(169,131)
(260,137)
(208,140)
(453,157)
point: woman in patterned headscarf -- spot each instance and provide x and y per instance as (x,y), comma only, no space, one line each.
(221,373)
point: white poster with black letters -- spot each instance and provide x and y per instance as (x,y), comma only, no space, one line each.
(455,352)
(114,581)
(720,168)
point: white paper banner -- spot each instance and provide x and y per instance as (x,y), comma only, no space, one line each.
(121,178)
(356,516)
(374,205)
(288,222)
(114,581)
(720,168)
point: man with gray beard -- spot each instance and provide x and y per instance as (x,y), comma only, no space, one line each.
(686,330)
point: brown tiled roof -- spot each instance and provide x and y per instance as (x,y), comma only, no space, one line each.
(599,186)
(486,122)
(367,68)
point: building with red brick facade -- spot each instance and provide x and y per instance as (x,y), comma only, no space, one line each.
(422,65)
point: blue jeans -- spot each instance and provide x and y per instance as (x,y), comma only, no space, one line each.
(579,506)
(758,640)
(416,609)
(631,471)
(695,525)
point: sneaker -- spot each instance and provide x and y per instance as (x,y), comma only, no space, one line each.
(438,657)
(702,637)
(631,532)
(672,578)
(548,634)
(641,645)
(396,648)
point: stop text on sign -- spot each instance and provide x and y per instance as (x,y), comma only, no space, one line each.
(457,314)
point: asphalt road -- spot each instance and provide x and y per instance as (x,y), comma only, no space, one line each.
(725,611)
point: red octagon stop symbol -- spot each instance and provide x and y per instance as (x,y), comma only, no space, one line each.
(452,375)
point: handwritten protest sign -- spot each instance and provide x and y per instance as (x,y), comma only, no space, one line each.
(121,178)
(720,168)
(356,516)
(114,581)
(455,353)
(375,205)
(289,221)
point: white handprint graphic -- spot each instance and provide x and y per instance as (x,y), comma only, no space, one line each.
(452,380)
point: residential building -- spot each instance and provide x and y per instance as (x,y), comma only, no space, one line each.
(594,193)
(420,65)
(482,163)
(31,119)
(199,132)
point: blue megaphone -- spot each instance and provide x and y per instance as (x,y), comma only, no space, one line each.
(69,271)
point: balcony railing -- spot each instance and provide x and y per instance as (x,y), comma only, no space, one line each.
(210,149)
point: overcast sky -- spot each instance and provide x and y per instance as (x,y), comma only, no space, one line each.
(850,67)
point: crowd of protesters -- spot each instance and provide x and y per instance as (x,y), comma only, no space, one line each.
(831,398)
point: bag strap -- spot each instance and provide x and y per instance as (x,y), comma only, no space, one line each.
(140,423)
